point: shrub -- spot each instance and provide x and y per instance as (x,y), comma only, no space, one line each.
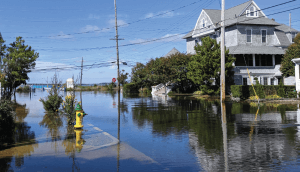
(171,93)
(130,87)
(23,89)
(280,91)
(52,102)
(198,92)
(69,105)
(245,91)
(292,94)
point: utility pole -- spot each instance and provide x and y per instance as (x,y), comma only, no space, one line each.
(290,24)
(81,71)
(222,78)
(117,45)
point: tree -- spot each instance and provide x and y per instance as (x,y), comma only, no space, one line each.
(18,62)
(123,77)
(138,75)
(287,66)
(204,67)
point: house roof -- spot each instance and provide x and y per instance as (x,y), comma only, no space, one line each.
(243,49)
(172,52)
(188,35)
(285,28)
(283,39)
(233,16)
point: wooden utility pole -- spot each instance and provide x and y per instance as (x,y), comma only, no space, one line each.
(81,71)
(222,78)
(290,24)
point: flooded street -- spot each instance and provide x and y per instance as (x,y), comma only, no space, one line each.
(152,134)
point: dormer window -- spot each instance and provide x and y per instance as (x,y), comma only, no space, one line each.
(251,12)
(203,23)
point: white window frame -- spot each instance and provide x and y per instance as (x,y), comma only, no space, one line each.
(248,12)
(247,36)
(203,23)
(262,35)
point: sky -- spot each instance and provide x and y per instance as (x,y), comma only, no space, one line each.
(65,31)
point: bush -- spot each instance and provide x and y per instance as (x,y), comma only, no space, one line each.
(53,101)
(171,93)
(130,87)
(198,92)
(24,89)
(280,90)
(245,91)
(292,94)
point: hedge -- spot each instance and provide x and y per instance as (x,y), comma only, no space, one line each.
(130,87)
(245,91)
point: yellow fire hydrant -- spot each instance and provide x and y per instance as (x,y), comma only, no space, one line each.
(79,140)
(79,116)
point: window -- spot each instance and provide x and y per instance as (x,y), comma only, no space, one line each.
(272,81)
(265,81)
(245,81)
(263,60)
(196,41)
(251,12)
(293,36)
(263,36)
(278,59)
(203,22)
(243,60)
(248,33)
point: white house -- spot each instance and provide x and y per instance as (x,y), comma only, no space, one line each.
(257,42)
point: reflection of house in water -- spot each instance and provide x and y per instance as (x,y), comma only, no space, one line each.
(260,143)
(166,100)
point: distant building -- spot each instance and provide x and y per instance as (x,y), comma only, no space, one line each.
(70,83)
(172,52)
(257,42)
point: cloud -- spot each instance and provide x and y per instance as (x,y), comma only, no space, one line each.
(162,14)
(46,66)
(92,16)
(166,38)
(96,29)
(121,23)
(61,35)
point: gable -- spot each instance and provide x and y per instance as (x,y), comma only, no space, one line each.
(204,24)
(254,9)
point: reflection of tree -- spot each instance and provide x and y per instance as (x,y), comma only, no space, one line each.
(123,110)
(53,122)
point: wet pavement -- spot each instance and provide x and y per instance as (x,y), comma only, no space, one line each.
(153,134)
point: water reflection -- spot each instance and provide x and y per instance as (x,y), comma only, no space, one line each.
(15,133)
(227,137)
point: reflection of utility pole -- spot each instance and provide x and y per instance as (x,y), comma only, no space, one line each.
(81,71)
(224,129)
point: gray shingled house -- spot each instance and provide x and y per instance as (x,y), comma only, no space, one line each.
(256,41)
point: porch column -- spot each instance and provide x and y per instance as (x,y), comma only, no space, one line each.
(273,59)
(253,57)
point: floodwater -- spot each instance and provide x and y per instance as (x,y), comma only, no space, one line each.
(152,134)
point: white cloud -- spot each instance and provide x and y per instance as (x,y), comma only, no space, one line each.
(93,16)
(162,14)
(166,38)
(61,35)
(96,29)
(121,23)
(46,66)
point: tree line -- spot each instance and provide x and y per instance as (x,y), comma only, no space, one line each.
(187,72)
